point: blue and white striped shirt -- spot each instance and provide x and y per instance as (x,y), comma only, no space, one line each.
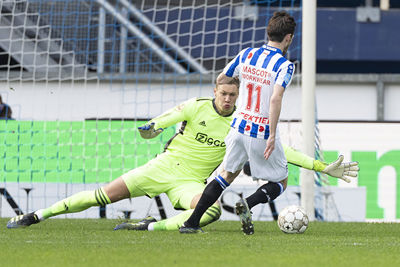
(258,69)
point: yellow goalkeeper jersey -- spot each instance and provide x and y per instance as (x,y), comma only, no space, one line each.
(199,145)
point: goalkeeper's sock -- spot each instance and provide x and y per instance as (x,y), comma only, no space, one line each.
(75,203)
(212,214)
(265,193)
(210,195)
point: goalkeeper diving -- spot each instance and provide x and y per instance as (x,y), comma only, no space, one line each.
(181,171)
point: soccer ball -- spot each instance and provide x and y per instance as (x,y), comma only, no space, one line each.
(293,220)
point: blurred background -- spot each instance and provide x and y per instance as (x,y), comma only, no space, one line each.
(78,77)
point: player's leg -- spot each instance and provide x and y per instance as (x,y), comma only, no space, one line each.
(212,214)
(266,193)
(274,170)
(128,185)
(186,196)
(157,177)
(112,192)
(234,160)
(210,195)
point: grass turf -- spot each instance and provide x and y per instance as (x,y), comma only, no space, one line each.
(92,242)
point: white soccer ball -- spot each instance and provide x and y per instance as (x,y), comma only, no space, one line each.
(293,220)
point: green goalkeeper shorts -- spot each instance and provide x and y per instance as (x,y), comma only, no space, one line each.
(163,175)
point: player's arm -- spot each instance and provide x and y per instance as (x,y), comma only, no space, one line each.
(171,117)
(283,80)
(337,169)
(274,112)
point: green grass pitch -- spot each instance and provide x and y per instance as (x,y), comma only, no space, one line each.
(92,242)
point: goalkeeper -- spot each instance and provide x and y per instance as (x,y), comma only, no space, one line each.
(181,170)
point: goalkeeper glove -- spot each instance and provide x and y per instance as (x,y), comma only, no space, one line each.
(337,169)
(147,131)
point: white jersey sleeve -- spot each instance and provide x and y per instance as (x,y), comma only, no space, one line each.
(233,67)
(285,74)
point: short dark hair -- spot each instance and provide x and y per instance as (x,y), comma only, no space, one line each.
(279,25)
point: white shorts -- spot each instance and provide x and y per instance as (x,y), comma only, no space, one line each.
(240,148)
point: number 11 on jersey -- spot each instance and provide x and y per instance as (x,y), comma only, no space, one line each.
(250,87)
